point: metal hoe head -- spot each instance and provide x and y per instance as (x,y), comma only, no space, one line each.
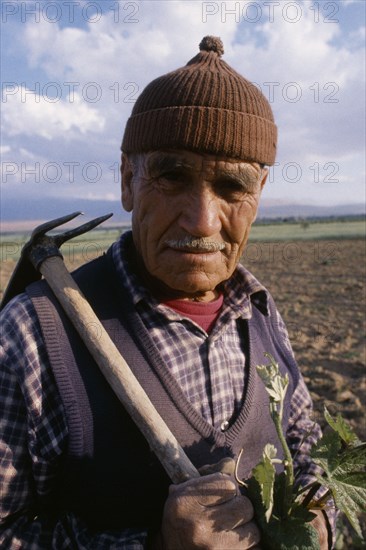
(42,246)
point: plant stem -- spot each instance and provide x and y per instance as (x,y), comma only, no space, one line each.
(289,468)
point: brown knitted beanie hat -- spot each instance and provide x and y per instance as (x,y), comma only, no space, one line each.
(206,107)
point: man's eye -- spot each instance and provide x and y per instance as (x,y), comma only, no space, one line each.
(174,176)
(172,180)
(230,189)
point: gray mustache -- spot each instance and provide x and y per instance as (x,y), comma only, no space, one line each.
(192,243)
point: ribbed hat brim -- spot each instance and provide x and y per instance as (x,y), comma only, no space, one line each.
(203,129)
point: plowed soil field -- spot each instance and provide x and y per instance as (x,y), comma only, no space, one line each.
(319,288)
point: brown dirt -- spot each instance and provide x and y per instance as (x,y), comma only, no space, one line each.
(319,290)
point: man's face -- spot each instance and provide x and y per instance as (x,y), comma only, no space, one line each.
(191,216)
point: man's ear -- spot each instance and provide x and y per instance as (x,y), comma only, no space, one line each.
(127,185)
(264,176)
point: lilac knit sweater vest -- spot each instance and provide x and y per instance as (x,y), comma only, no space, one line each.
(109,475)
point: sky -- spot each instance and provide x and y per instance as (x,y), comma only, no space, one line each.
(72,70)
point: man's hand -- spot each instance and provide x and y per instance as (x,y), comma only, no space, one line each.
(208,513)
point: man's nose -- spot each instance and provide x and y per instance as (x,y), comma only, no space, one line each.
(201,215)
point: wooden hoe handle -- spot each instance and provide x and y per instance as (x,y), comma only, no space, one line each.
(116,371)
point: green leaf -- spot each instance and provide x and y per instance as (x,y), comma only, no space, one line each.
(282,517)
(279,508)
(325,452)
(349,497)
(343,429)
(264,473)
(276,385)
(354,458)
(294,533)
(345,476)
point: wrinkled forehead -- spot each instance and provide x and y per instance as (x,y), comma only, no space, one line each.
(189,161)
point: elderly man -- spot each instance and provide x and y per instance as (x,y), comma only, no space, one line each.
(191,322)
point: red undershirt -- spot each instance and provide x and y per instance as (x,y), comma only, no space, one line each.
(203,314)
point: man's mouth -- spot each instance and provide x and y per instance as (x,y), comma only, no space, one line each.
(195,245)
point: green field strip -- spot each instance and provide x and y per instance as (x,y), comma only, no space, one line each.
(97,241)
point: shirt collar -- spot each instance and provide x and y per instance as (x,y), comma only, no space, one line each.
(241,291)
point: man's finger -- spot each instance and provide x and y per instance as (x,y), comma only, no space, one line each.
(214,489)
(210,490)
(249,533)
(234,513)
(225,466)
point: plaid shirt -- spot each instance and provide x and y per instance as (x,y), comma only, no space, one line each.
(209,369)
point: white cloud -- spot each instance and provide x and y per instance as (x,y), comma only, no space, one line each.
(25,154)
(356,38)
(307,57)
(112,50)
(27,113)
(315,85)
(102,196)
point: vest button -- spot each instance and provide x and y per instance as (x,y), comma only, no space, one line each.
(224,425)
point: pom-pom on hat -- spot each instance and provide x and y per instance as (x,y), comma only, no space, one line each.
(206,107)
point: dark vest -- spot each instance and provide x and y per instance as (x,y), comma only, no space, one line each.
(109,475)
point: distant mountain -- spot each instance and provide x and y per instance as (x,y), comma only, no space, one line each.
(48,208)
(285,210)
(16,211)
